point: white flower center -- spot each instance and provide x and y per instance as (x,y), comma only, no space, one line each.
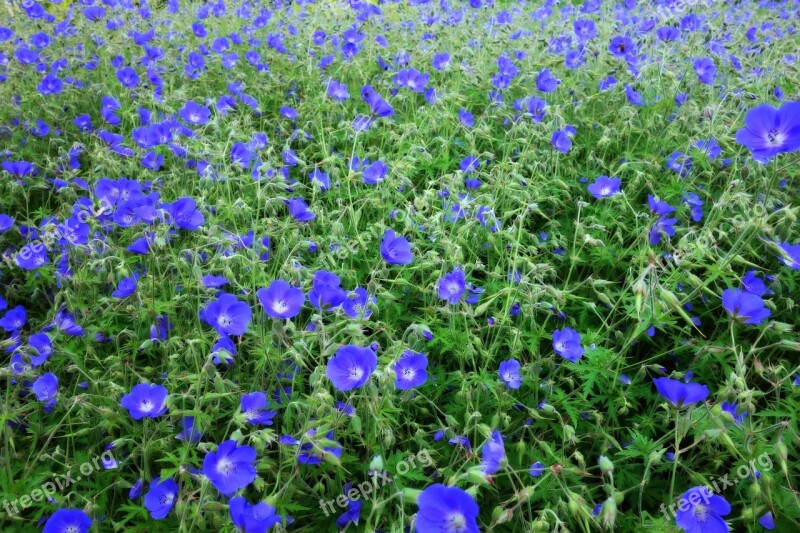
(225,466)
(457,523)
(701,512)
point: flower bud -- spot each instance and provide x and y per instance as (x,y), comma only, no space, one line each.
(376,465)
(606,466)
(579,459)
(411,495)
(477,476)
(609,512)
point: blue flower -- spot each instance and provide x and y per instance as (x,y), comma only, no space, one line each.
(184,213)
(452,286)
(695,204)
(338,91)
(326,293)
(228,315)
(231,467)
(633,96)
(136,489)
(706,70)
(314,453)
(621,46)
(411,370)
(745,307)
(493,453)
(42,348)
(537,469)
(298,208)
(768,131)
(754,285)
(663,226)
(446,510)
(679,393)
(281,300)
(32,256)
(14,319)
(125,288)
(567,344)
(509,373)
(189,431)
(6,223)
(545,82)
(378,106)
(252,518)
(701,511)
(68,521)
(561,141)
(45,387)
(160,498)
(395,249)
(145,400)
(195,113)
(374,173)
(353,513)
(732,409)
(767,521)
(254,406)
(791,255)
(603,187)
(356,305)
(351,367)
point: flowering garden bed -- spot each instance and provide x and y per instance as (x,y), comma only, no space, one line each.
(429,266)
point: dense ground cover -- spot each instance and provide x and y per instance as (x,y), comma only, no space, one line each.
(436,266)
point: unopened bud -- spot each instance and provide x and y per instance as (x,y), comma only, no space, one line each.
(540,525)
(606,466)
(376,465)
(609,512)
(477,476)
(501,516)
(579,459)
(783,451)
(411,495)
(569,433)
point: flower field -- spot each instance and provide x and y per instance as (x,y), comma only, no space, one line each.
(410,266)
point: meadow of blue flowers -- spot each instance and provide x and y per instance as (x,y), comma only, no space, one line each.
(415,265)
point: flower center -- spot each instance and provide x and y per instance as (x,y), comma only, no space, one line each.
(356,373)
(701,512)
(146,406)
(457,523)
(775,137)
(225,466)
